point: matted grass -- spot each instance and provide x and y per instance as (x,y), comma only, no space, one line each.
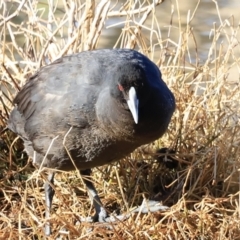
(202,192)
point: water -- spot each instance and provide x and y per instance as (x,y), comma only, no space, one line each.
(206,15)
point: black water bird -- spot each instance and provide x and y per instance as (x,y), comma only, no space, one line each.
(93,108)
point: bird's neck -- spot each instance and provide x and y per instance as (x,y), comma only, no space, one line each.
(113,117)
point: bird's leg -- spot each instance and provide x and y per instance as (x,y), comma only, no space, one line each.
(49,193)
(101,213)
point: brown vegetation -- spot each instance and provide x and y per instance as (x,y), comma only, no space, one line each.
(203,192)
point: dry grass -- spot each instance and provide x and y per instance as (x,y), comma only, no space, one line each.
(203,191)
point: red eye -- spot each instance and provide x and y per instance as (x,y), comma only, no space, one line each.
(120,87)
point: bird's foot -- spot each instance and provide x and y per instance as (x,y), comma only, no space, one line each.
(147,206)
(100,216)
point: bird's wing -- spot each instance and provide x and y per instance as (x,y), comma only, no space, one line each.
(54,99)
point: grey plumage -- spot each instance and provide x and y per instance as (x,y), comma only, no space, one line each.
(84,100)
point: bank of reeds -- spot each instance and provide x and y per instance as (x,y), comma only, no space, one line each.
(202,191)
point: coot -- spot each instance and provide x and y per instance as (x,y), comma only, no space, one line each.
(89,109)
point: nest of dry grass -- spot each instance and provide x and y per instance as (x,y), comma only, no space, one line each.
(202,191)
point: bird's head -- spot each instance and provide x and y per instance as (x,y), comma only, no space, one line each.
(129,87)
